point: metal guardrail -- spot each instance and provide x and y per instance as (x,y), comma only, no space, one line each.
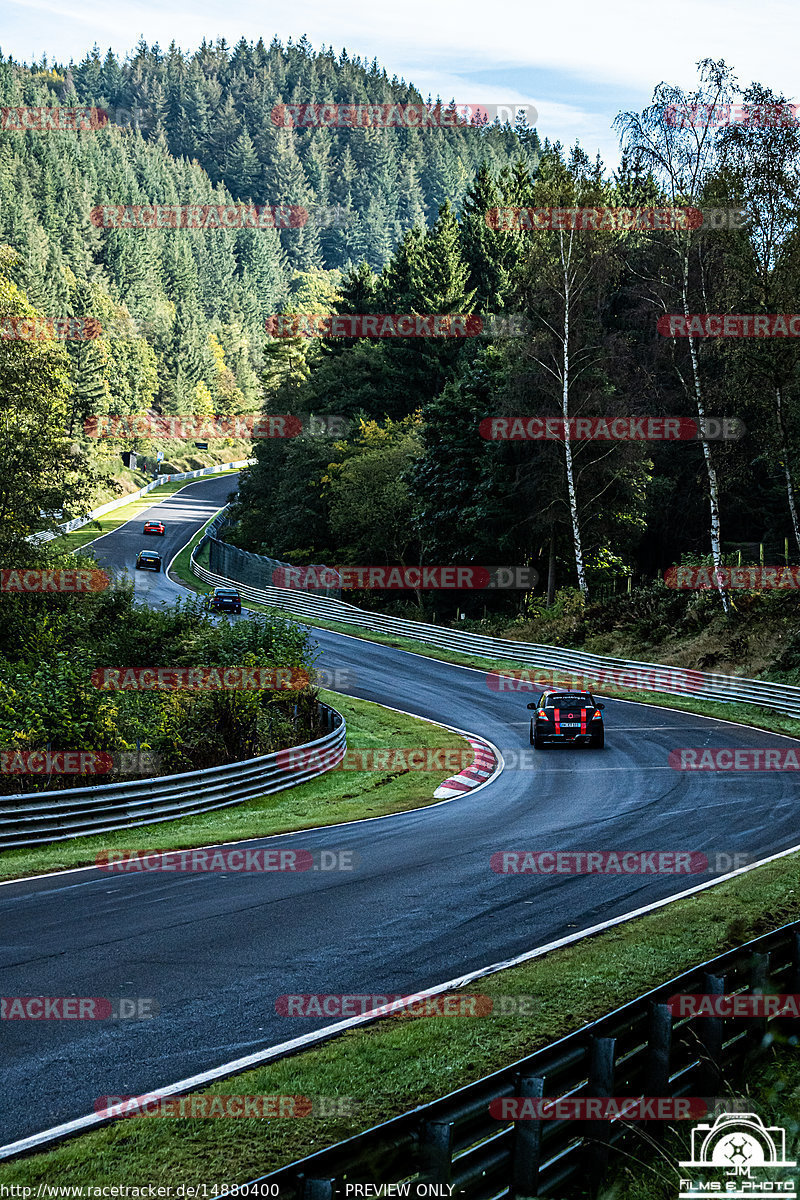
(639,1049)
(606,672)
(29,820)
(121,501)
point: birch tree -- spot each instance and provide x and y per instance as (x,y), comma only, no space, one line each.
(563,272)
(673,140)
(760,158)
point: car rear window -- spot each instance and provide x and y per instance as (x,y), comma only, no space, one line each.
(570,701)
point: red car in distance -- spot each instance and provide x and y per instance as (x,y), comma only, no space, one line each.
(155,527)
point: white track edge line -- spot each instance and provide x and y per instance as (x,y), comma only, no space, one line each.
(603,695)
(159,501)
(480,671)
(236,1066)
(499,767)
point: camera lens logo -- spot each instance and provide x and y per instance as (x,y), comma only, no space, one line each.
(737,1144)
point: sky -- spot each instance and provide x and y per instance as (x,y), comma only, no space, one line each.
(577,63)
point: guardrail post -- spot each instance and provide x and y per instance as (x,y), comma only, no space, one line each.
(601,1084)
(759,972)
(710,1037)
(659,1054)
(659,1049)
(526,1150)
(318,1189)
(794,978)
(436,1152)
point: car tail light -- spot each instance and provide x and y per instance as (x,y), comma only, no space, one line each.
(541,713)
(597,715)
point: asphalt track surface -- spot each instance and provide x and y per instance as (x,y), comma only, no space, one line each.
(423,906)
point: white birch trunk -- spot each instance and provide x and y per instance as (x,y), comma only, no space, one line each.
(573,502)
(786,468)
(713,487)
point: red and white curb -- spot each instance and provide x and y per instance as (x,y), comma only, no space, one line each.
(482,768)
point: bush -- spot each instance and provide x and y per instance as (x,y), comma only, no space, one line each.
(51,644)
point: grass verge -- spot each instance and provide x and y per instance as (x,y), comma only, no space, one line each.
(772,1090)
(126,512)
(334,797)
(398,1063)
(181,565)
(746,714)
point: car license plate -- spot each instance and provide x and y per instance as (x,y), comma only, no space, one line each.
(570,724)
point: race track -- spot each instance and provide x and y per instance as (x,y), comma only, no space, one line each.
(216,950)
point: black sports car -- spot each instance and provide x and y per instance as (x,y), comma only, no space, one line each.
(224,599)
(567,717)
(148,560)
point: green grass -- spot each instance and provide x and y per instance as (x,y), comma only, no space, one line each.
(127,512)
(771,1089)
(182,569)
(333,797)
(746,714)
(398,1063)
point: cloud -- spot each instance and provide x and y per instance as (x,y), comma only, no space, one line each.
(618,50)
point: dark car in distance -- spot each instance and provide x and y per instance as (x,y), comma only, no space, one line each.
(224,599)
(148,560)
(567,718)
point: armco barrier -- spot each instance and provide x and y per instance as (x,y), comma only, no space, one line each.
(637,1050)
(121,501)
(28,820)
(642,676)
